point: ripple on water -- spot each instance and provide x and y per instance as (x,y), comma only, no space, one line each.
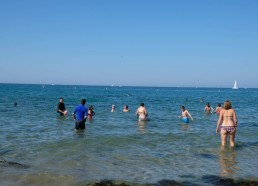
(116,146)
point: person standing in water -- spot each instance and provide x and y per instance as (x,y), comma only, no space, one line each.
(80,114)
(142,112)
(208,109)
(218,109)
(91,113)
(61,107)
(185,115)
(229,124)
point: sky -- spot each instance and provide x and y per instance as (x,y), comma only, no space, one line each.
(170,43)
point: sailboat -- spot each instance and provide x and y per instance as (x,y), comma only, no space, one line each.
(235,86)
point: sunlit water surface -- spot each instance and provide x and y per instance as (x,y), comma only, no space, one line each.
(39,147)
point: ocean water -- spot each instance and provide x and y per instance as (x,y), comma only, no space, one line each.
(39,147)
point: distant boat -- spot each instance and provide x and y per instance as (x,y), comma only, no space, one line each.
(235,86)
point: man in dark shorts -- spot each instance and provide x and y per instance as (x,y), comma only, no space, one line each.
(80,114)
(61,107)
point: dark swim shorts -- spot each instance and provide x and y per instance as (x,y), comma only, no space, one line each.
(80,124)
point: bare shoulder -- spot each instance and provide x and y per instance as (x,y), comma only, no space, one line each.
(233,111)
(222,111)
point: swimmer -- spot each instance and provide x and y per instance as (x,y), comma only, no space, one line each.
(91,113)
(185,115)
(112,108)
(208,109)
(229,124)
(61,107)
(126,109)
(80,115)
(142,112)
(218,109)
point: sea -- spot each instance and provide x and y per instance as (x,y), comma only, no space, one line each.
(40,147)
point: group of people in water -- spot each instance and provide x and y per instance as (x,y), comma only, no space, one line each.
(141,111)
(207,109)
(227,122)
(81,113)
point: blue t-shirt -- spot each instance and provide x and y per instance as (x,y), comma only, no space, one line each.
(80,111)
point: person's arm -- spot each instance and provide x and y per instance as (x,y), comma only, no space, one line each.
(137,112)
(235,117)
(60,111)
(181,115)
(145,111)
(74,117)
(86,114)
(189,115)
(219,121)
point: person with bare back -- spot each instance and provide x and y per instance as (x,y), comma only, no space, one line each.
(228,127)
(185,115)
(142,112)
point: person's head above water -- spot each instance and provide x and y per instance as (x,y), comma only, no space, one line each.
(112,108)
(83,101)
(227,105)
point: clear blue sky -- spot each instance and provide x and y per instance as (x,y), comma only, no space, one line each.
(204,43)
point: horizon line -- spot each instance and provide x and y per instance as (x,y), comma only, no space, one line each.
(112,85)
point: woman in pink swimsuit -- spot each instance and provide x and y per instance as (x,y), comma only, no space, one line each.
(229,123)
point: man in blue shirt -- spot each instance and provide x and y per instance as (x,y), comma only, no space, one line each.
(80,114)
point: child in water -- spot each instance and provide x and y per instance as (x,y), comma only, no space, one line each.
(91,113)
(185,115)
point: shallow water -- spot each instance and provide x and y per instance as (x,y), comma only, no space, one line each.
(37,146)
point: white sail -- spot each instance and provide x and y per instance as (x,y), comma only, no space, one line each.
(235,86)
